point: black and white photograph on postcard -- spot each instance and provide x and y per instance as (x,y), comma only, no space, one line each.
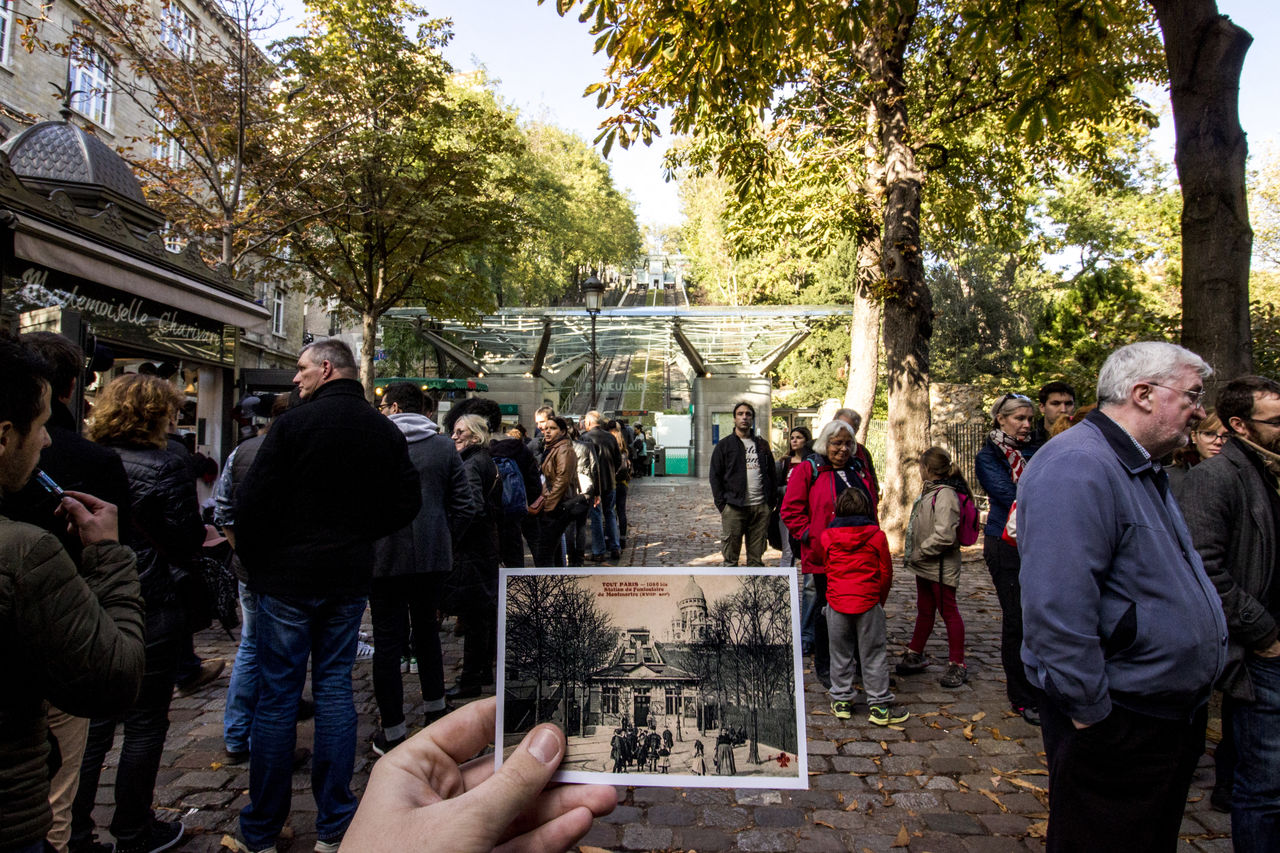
(656,677)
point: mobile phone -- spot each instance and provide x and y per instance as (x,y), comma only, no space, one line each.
(48,484)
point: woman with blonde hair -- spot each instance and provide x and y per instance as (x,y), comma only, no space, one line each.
(471,590)
(999,466)
(132,417)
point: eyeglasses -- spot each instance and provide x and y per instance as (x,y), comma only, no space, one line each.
(1196,397)
(1217,437)
(1271,422)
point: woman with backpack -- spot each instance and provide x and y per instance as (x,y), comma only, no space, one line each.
(932,553)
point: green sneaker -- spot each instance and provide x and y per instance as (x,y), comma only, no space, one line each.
(884,715)
(842,710)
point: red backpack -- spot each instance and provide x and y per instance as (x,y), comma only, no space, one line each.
(968,530)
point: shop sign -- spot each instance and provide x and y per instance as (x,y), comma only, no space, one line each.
(116,315)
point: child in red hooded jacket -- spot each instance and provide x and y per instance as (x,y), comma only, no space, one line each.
(859,575)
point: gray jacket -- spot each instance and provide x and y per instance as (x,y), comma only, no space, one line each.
(1228,506)
(1116,605)
(449,502)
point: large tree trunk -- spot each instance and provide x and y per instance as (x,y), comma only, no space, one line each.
(908,308)
(1205,52)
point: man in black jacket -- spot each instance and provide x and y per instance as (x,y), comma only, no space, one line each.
(1233,511)
(331,477)
(743,487)
(604,519)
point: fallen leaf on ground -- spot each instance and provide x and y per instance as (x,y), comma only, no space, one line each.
(852,807)
(977,716)
(993,798)
(903,839)
(1038,830)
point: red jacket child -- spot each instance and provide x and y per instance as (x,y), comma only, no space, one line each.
(859,569)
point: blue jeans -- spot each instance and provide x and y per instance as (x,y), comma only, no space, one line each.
(808,611)
(288,629)
(1255,800)
(604,526)
(242,692)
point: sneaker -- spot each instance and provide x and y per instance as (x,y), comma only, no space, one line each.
(911,663)
(404,666)
(163,835)
(328,846)
(884,715)
(242,846)
(842,710)
(413,666)
(956,675)
(364,651)
(236,756)
(209,670)
(381,746)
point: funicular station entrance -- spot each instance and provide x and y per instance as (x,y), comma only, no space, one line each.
(678,369)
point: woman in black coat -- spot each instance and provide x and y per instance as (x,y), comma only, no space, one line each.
(472,588)
(131,417)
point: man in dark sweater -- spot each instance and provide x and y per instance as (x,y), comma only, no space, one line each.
(743,487)
(1233,510)
(330,478)
(604,520)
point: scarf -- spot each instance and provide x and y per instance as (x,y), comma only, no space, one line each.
(1270,459)
(1009,447)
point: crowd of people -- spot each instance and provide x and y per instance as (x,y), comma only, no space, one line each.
(427,514)
(1133,550)
(1133,547)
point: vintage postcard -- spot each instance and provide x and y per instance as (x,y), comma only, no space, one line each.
(657,676)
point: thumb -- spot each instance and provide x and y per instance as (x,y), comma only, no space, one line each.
(521,778)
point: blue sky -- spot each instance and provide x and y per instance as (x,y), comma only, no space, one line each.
(543,62)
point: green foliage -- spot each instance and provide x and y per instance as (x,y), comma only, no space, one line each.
(983,314)
(572,219)
(413,172)
(818,369)
(1100,312)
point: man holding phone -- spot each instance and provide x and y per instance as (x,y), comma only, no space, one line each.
(77,634)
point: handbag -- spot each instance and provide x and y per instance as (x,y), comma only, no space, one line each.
(576,506)
(536,506)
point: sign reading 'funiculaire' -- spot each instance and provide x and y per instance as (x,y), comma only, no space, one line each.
(121,316)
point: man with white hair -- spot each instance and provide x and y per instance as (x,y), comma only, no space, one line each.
(1122,628)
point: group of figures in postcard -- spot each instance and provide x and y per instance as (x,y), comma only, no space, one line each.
(657,678)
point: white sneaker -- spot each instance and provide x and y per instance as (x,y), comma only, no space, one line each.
(328,846)
(364,651)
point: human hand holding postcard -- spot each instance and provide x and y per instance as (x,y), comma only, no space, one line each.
(656,676)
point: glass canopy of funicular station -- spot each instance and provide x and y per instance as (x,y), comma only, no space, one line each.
(707,358)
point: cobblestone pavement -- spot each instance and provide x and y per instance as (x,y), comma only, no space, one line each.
(963,774)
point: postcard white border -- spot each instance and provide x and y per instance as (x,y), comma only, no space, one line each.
(801,779)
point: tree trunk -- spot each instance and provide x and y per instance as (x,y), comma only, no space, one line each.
(864,343)
(864,329)
(1205,52)
(908,308)
(368,347)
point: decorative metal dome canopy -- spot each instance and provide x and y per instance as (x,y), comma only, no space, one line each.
(59,155)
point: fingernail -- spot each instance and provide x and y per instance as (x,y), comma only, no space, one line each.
(545,746)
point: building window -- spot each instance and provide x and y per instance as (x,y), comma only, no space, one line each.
(609,699)
(166,149)
(91,84)
(674,701)
(277,313)
(6,30)
(173,241)
(177,30)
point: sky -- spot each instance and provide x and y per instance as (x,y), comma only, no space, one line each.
(543,62)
